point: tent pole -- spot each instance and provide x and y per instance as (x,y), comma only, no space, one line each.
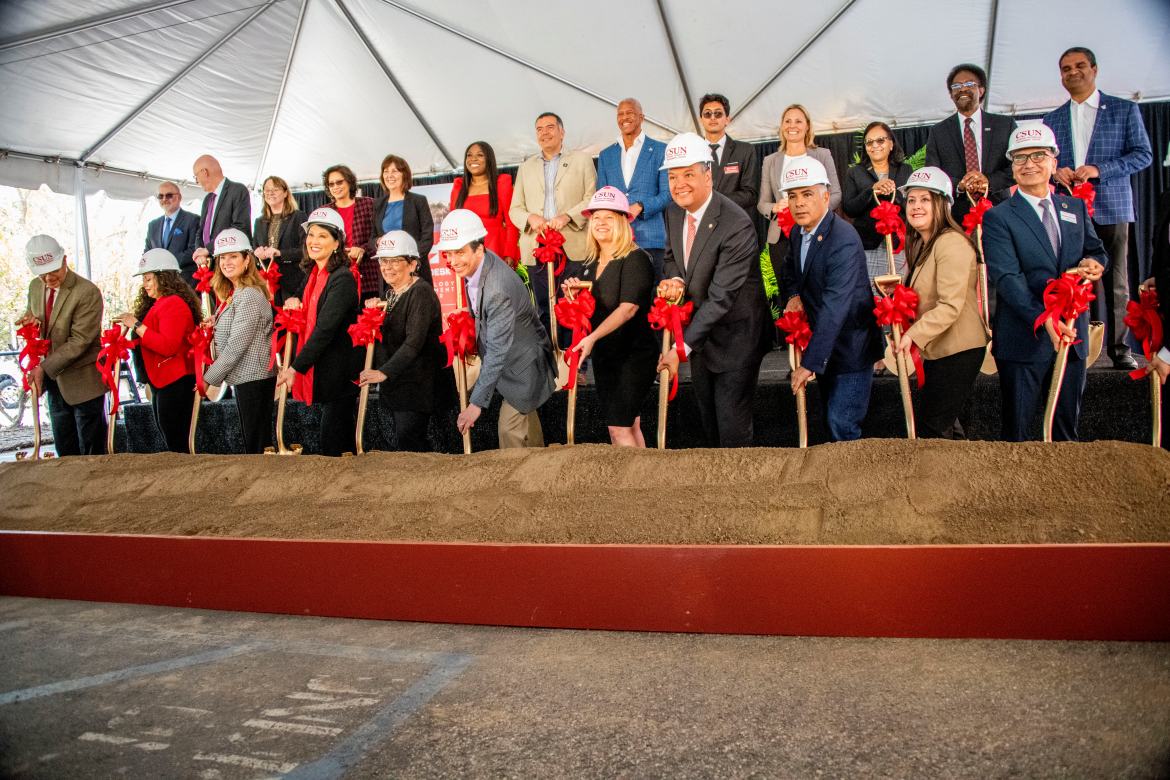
(81,222)
(990,51)
(678,67)
(517,60)
(88,153)
(280,95)
(824,28)
(88,24)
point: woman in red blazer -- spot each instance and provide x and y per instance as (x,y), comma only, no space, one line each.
(164,315)
(488,193)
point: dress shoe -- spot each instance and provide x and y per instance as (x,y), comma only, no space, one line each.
(1125,362)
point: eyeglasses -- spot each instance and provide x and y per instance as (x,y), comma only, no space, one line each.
(337,183)
(875,142)
(165,195)
(713,115)
(1036,157)
(964,85)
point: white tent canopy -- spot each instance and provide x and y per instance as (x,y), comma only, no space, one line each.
(137,89)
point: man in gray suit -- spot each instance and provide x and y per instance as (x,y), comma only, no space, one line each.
(514,349)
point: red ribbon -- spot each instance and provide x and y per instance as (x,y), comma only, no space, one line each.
(795,324)
(1146,326)
(785,221)
(901,309)
(286,321)
(35,349)
(575,314)
(889,223)
(671,315)
(368,327)
(115,347)
(1065,298)
(272,274)
(548,249)
(200,340)
(203,275)
(357,277)
(459,336)
(1086,193)
(974,217)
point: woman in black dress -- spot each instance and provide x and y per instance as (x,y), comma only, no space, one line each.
(625,352)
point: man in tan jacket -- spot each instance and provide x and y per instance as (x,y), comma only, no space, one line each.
(550,191)
(69,309)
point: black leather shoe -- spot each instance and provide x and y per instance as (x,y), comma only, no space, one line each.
(1125,363)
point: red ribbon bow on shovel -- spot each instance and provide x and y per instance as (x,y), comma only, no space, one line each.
(286,321)
(889,223)
(200,340)
(115,347)
(459,336)
(203,277)
(974,217)
(575,314)
(676,317)
(35,349)
(1146,326)
(368,327)
(1086,193)
(272,275)
(795,324)
(900,309)
(548,249)
(785,221)
(1065,298)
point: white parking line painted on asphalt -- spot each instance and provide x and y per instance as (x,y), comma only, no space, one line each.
(90,736)
(340,705)
(295,728)
(310,696)
(246,761)
(152,745)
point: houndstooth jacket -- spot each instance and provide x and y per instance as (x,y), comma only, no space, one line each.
(243,337)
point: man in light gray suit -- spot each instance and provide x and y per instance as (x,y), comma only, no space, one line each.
(514,348)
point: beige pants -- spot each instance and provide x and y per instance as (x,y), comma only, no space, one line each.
(519,430)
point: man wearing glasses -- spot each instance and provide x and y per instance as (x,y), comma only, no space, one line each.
(735,169)
(227,205)
(971,145)
(176,231)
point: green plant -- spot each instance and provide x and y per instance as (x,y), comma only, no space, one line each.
(771,286)
(918,159)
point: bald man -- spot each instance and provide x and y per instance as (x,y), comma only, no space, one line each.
(227,205)
(176,231)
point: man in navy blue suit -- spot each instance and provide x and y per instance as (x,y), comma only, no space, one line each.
(632,166)
(1028,240)
(176,231)
(826,275)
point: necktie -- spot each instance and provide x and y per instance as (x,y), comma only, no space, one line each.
(1050,226)
(166,236)
(49,306)
(715,155)
(970,148)
(207,222)
(690,240)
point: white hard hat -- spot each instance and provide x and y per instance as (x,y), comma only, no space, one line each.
(460,228)
(397,243)
(325,216)
(930,178)
(803,171)
(686,149)
(231,240)
(1032,134)
(43,254)
(155,260)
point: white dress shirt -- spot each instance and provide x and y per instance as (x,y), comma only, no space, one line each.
(630,156)
(1084,116)
(698,215)
(1036,206)
(977,129)
(721,143)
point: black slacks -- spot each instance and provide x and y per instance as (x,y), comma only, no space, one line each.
(1112,289)
(339,426)
(725,402)
(78,429)
(410,428)
(1023,389)
(254,402)
(949,380)
(172,411)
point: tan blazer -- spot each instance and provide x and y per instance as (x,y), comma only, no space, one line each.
(575,184)
(74,334)
(948,308)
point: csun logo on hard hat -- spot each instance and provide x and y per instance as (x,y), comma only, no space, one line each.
(142,262)
(43,259)
(604,195)
(1029,135)
(792,174)
(919,176)
(675,153)
(448,234)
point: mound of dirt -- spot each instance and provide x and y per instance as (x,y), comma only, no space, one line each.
(875,491)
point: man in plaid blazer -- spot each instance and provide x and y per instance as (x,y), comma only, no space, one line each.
(1102,141)
(631,165)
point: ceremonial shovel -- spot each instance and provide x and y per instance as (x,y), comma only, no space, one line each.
(114,411)
(893,279)
(36,412)
(801,402)
(571,293)
(664,382)
(364,397)
(1058,374)
(281,400)
(988,366)
(461,369)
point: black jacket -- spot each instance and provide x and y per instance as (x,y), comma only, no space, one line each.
(738,174)
(291,243)
(857,198)
(1160,269)
(416,221)
(184,240)
(409,351)
(329,349)
(232,210)
(944,149)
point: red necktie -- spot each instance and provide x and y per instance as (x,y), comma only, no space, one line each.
(970,149)
(49,306)
(690,240)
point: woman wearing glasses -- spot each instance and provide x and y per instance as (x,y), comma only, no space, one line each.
(877,177)
(279,237)
(400,209)
(358,214)
(796,140)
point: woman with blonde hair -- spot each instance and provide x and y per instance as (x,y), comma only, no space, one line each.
(279,237)
(796,140)
(243,334)
(625,352)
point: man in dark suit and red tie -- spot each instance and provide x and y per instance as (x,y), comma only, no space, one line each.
(176,231)
(735,169)
(712,262)
(970,146)
(1102,141)
(227,205)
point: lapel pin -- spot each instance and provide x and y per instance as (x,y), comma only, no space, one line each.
(710,224)
(820,238)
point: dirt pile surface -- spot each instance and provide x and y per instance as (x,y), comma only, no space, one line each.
(875,491)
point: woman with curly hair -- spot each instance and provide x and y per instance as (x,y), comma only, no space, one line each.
(164,315)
